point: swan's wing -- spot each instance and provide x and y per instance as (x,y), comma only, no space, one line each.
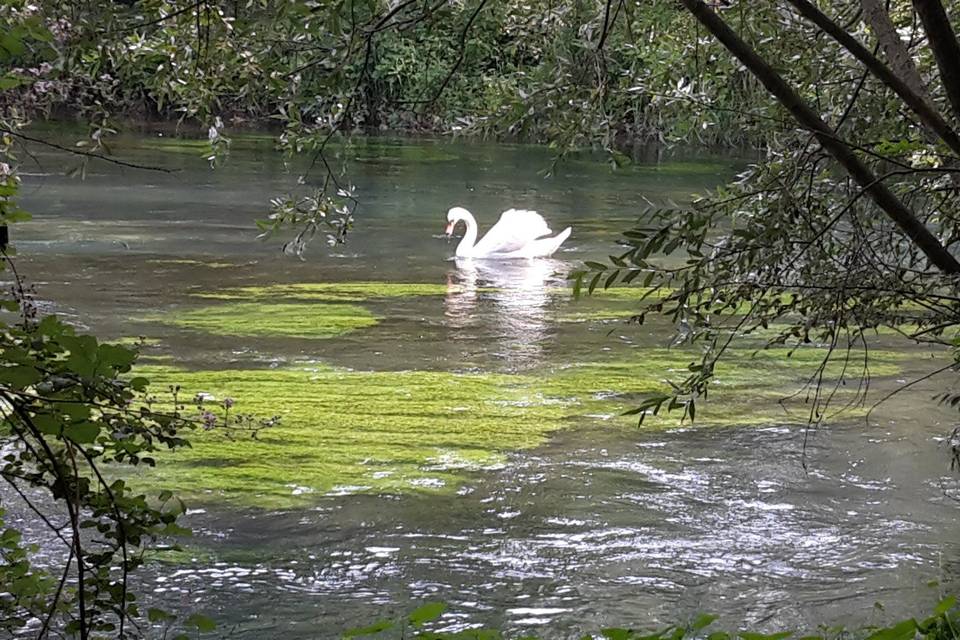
(515,229)
(542,247)
(546,247)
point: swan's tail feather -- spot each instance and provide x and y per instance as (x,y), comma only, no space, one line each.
(559,239)
(546,247)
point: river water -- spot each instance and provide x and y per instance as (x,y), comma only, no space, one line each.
(597,526)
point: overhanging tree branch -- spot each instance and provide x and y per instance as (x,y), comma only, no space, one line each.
(943,43)
(920,106)
(921,237)
(85,154)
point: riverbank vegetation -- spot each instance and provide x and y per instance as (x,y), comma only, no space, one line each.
(848,226)
(505,68)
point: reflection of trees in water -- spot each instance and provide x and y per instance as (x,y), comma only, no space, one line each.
(503,305)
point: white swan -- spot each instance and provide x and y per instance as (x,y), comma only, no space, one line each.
(518,234)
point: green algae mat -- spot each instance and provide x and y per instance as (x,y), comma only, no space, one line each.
(286,320)
(347,431)
(299,310)
(344,431)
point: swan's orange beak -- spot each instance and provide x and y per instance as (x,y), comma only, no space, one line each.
(450,229)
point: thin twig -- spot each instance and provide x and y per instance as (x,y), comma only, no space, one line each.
(163,18)
(906,386)
(87,154)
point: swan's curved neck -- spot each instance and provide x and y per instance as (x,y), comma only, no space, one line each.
(465,248)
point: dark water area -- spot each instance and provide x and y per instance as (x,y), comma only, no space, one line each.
(763,524)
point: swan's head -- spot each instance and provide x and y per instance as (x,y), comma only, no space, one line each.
(455,215)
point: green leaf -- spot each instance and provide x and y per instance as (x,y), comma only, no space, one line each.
(51,327)
(202,623)
(945,605)
(116,356)
(13,216)
(158,615)
(369,630)
(905,630)
(19,376)
(48,424)
(82,432)
(763,636)
(704,620)
(616,634)
(11,80)
(75,410)
(12,43)
(611,279)
(426,613)
(594,281)
(83,354)
(37,30)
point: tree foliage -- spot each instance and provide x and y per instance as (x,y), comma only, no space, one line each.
(810,245)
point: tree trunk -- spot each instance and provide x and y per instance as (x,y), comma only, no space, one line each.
(896,53)
(841,151)
(943,43)
(899,58)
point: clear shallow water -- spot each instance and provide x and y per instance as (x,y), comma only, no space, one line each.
(599,526)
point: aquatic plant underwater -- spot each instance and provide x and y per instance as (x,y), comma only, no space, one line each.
(345,430)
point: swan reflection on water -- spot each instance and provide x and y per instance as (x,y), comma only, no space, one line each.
(503,307)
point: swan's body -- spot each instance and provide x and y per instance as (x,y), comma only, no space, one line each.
(518,234)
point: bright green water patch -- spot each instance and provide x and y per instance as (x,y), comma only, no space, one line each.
(201,146)
(597,315)
(301,310)
(616,303)
(334,291)
(747,387)
(376,151)
(616,293)
(180,555)
(193,263)
(347,431)
(344,431)
(678,168)
(140,341)
(255,319)
(189,146)
(690,168)
(153,357)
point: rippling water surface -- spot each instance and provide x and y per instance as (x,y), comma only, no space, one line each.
(600,525)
